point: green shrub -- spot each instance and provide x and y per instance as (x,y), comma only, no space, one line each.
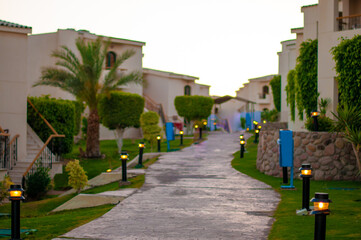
(270,116)
(60,114)
(4,187)
(325,124)
(243,122)
(37,183)
(77,177)
(193,107)
(291,93)
(276,91)
(79,109)
(149,123)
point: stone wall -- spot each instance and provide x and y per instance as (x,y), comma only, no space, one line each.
(329,154)
(274,126)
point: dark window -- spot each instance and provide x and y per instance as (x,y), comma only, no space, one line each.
(265,90)
(111,58)
(187,90)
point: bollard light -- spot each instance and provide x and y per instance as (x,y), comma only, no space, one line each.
(264,121)
(241,137)
(306,174)
(247,129)
(259,127)
(215,126)
(16,195)
(181,137)
(256,137)
(109,170)
(242,142)
(196,126)
(255,123)
(124,157)
(140,156)
(321,210)
(315,115)
(158,142)
(205,123)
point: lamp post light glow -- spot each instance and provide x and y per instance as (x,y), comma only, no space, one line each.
(247,129)
(264,121)
(124,157)
(255,123)
(242,142)
(315,115)
(181,137)
(256,137)
(16,194)
(215,126)
(158,141)
(321,210)
(259,127)
(204,124)
(306,174)
(241,137)
(140,156)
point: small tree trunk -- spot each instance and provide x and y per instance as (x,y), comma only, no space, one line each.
(119,133)
(92,140)
(356,150)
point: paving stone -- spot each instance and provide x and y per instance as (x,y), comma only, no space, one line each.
(191,194)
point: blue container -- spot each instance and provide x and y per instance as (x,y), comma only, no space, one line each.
(286,148)
(169,131)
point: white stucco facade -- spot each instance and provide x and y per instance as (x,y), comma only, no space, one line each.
(13,85)
(162,87)
(258,90)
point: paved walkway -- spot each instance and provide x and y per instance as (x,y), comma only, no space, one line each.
(191,194)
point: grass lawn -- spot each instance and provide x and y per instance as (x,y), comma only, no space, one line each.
(344,221)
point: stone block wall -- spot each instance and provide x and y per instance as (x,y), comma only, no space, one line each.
(274,126)
(329,154)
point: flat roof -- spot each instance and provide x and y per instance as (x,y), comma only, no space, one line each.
(169,74)
(14,27)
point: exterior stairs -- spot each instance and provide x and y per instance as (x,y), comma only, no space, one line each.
(33,146)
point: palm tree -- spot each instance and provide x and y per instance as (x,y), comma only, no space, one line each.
(82,77)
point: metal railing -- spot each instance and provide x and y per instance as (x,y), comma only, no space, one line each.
(44,157)
(151,105)
(8,149)
(349,22)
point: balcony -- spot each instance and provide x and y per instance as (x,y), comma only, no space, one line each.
(349,22)
(263,98)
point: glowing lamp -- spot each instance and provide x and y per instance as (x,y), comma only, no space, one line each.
(321,204)
(109,170)
(181,132)
(247,129)
(264,121)
(241,137)
(214,123)
(196,126)
(141,145)
(257,131)
(124,155)
(306,170)
(158,137)
(259,127)
(205,123)
(315,114)
(242,142)
(16,192)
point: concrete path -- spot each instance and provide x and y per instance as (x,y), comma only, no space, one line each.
(191,194)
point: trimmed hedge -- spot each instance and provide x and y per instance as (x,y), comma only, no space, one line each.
(193,107)
(120,110)
(149,123)
(60,114)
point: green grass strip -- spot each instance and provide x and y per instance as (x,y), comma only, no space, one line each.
(344,221)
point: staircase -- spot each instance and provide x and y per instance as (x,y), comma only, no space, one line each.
(33,147)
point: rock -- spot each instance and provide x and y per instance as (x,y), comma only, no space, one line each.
(338,165)
(350,167)
(304,156)
(329,150)
(328,142)
(298,151)
(325,160)
(305,141)
(319,175)
(297,141)
(318,153)
(339,143)
(311,147)
(315,166)
(334,172)
(320,147)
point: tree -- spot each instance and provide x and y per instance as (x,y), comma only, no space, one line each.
(149,123)
(77,176)
(120,110)
(276,91)
(193,107)
(82,77)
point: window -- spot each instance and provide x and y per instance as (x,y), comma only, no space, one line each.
(187,90)
(111,58)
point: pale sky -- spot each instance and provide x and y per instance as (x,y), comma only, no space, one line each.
(223,42)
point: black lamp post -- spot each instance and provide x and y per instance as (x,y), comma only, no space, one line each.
(140,156)
(306,174)
(256,137)
(16,194)
(315,115)
(215,126)
(321,210)
(158,141)
(181,137)
(242,142)
(124,157)
(200,132)
(205,125)
(255,124)
(247,129)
